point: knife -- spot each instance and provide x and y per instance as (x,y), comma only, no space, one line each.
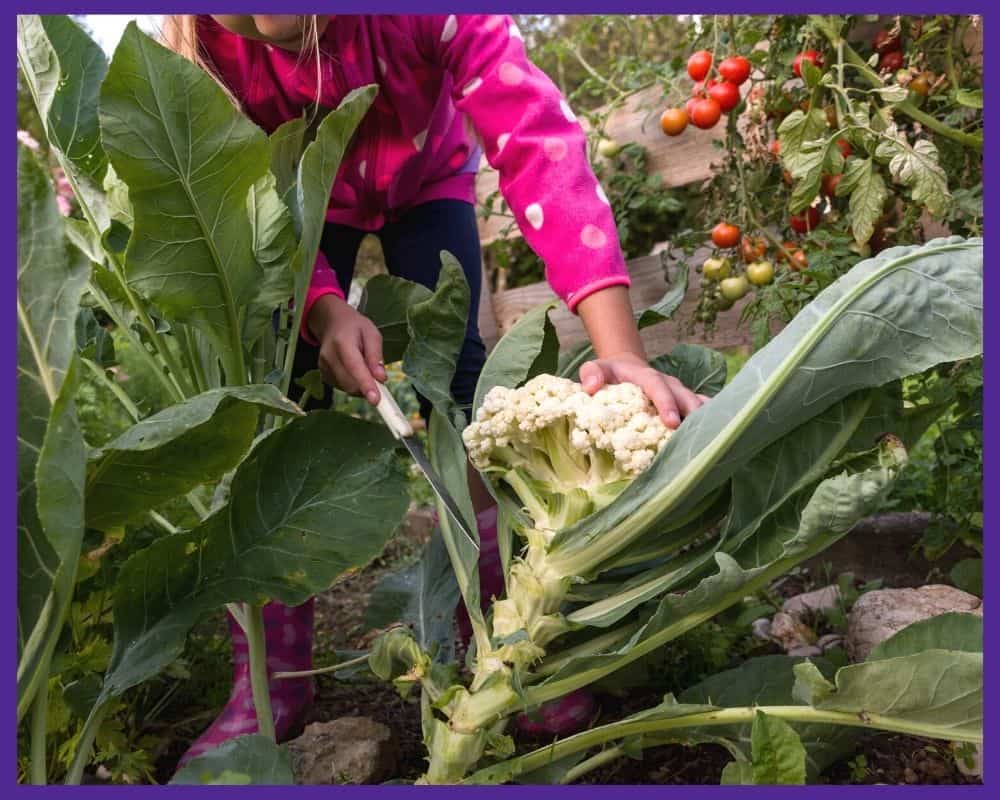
(403,431)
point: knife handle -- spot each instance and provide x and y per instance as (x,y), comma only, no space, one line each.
(392,414)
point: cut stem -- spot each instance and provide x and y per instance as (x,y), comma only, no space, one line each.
(39,719)
(308,673)
(257,646)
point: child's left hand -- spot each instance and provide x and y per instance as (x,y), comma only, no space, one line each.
(671,397)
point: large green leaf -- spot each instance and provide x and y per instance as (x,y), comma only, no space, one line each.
(64,68)
(798,531)
(935,692)
(318,497)
(530,348)
(422,596)
(245,760)
(958,632)
(769,681)
(778,755)
(900,313)
(437,329)
(701,369)
(51,275)
(189,159)
(169,453)
(387,302)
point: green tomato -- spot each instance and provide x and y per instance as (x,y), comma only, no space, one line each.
(734,288)
(715,269)
(760,273)
(608,148)
(723,303)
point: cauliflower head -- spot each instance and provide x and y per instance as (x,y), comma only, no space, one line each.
(563,452)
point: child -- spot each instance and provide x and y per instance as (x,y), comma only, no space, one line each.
(409,177)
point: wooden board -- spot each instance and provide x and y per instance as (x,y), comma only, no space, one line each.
(649,284)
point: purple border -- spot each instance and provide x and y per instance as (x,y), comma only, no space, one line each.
(8,463)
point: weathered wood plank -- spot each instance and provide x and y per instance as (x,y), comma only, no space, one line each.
(649,284)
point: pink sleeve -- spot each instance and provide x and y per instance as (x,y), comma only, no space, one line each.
(323,281)
(531,136)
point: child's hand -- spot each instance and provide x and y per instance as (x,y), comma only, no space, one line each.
(671,397)
(350,355)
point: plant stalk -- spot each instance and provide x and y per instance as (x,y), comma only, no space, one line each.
(257,647)
(85,745)
(308,673)
(39,720)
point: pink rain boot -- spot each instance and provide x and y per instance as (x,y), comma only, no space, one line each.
(289,635)
(561,717)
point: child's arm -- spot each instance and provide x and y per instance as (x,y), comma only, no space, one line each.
(532,138)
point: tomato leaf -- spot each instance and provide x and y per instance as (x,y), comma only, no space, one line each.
(795,131)
(868,192)
(969,99)
(917,168)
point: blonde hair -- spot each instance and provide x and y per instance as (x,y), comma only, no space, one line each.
(179,33)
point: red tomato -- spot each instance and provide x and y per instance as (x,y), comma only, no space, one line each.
(775,148)
(699,64)
(830,184)
(845,147)
(726,94)
(805,222)
(891,61)
(725,235)
(689,106)
(735,69)
(806,55)
(705,112)
(701,87)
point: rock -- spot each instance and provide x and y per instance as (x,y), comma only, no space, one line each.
(818,600)
(878,615)
(805,651)
(790,632)
(829,641)
(909,775)
(761,628)
(346,750)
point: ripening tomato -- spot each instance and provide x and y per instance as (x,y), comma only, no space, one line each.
(760,273)
(891,61)
(805,222)
(725,235)
(812,56)
(673,121)
(798,262)
(921,84)
(752,249)
(885,42)
(845,147)
(608,148)
(830,184)
(786,176)
(726,94)
(735,69)
(705,112)
(699,64)
(775,148)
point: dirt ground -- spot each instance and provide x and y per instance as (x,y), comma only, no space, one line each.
(881,759)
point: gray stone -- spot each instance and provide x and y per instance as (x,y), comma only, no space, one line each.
(805,651)
(818,600)
(346,750)
(829,641)
(761,628)
(878,615)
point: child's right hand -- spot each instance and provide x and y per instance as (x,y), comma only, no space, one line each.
(350,354)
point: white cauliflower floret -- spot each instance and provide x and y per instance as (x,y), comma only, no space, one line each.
(564,452)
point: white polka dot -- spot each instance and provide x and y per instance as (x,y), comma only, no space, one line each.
(471,86)
(362,167)
(602,196)
(555,148)
(567,111)
(515,33)
(419,139)
(511,74)
(450,28)
(593,237)
(534,215)
(382,67)
(502,140)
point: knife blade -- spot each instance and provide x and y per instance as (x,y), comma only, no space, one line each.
(401,428)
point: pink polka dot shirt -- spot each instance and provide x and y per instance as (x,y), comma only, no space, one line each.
(437,74)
